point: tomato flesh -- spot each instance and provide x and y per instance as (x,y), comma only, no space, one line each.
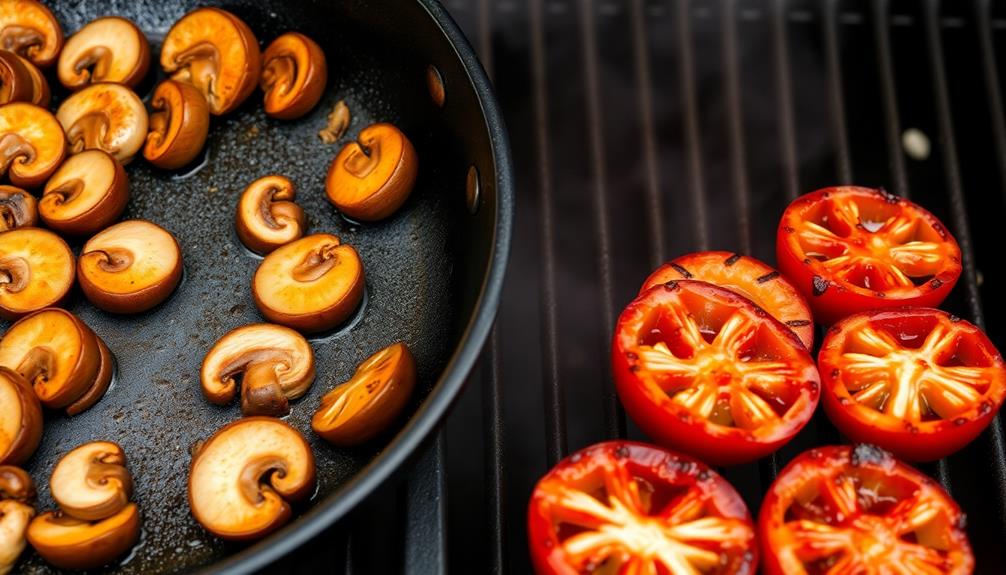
(851,249)
(634,509)
(916,381)
(748,277)
(844,511)
(703,370)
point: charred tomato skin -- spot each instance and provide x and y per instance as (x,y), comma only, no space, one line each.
(832,299)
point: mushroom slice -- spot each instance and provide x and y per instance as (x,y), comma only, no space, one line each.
(71,543)
(40,86)
(20,420)
(32,144)
(274,363)
(109,49)
(36,271)
(130,267)
(364,406)
(267,217)
(107,117)
(86,194)
(106,371)
(178,126)
(216,52)
(311,284)
(371,178)
(54,352)
(29,29)
(243,477)
(16,82)
(91,482)
(17,493)
(18,209)
(294,74)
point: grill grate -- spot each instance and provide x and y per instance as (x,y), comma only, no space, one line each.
(647,128)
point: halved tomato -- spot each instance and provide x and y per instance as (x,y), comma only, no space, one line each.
(747,276)
(916,381)
(705,371)
(851,249)
(843,511)
(635,509)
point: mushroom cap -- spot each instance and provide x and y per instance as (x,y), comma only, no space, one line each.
(216,52)
(311,284)
(70,543)
(39,269)
(20,427)
(267,216)
(294,74)
(130,267)
(91,482)
(18,209)
(109,49)
(371,178)
(179,125)
(28,28)
(55,353)
(86,194)
(243,476)
(105,116)
(106,371)
(32,143)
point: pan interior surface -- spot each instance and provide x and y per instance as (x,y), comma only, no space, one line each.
(425,266)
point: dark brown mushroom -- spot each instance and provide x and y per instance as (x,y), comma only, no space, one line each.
(20,419)
(267,216)
(18,209)
(178,126)
(294,73)
(16,82)
(109,49)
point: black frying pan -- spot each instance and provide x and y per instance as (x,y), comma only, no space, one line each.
(433,270)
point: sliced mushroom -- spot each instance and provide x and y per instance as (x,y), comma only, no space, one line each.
(18,209)
(40,86)
(130,267)
(244,476)
(369,402)
(91,482)
(273,363)
(20,420)
(71,543)
(107,117)
(32,144)
(311,284)
(267,216)
(216,52)
(86,194)
(54,352)
(109,49)
(17,495)
(16,82)
(29,29)
(106,371)
(36,271)
(294,73)
(178,126)
(371,178)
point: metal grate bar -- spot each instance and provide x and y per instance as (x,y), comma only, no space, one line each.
(614,415)
(426,513)
(693,139)
(555,413)
(495,494)
(994,92)
(787,130)
(738,156)
(892,125)
(836,97)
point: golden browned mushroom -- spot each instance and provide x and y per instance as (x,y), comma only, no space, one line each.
(178,126)
(20,418)
(311,284)
(107,117)
(86,194)
(216,52)
(109,49)
(294,74)
(29,29)
(17,495)
(55,353)
(32,144)
(71,543)
(18,209)
(16,82)
(267,217)
(371,178)
(40,86)
(243,477)
(36,271)
(91,482)
(274,364)
(364,406)
(130,267)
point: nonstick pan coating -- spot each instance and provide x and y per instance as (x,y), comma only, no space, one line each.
(433,270)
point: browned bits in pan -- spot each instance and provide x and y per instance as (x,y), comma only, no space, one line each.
(338,121)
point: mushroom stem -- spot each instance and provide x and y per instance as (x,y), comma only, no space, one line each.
(15,274)
(261,391)
(20,39)
(88,132)
(113,260)
(316,263)
(12,147)
(68,190)
(256,476)
(94,62)
(200,66)
(363,163)
(37,364)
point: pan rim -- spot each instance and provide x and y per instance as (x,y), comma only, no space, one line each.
(430,414)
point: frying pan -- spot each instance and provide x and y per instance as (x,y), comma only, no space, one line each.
(434,270)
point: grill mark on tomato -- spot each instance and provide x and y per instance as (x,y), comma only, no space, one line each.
(681,270)
(935,283)
(732,259)
(798,322)
(820,285)
(671,285)
(768,277)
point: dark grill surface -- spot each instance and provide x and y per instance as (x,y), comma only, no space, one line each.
(644,129)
